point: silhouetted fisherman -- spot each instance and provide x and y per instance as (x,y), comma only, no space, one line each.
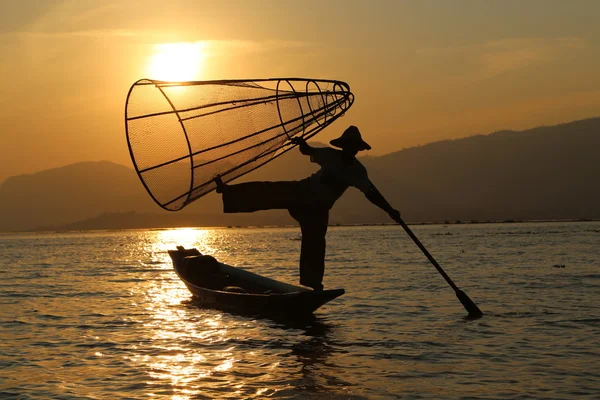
(309,200)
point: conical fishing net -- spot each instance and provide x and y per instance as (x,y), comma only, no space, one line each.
(181,135)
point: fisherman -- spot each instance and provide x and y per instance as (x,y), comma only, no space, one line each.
(309,200)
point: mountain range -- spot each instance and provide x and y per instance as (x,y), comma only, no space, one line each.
(543,173)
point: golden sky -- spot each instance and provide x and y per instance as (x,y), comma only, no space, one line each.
(421,70)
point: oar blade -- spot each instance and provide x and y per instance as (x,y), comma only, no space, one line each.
(470,306)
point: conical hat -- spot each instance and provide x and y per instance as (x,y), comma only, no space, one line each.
(351,138)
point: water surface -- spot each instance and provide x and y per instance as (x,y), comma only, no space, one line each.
(102,315)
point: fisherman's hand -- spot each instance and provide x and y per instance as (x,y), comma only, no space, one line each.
(298,140)
(395,215)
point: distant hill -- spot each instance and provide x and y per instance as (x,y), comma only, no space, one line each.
(67,194)
(542,173)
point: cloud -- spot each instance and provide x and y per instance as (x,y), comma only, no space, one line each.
(506,55)
(222,47)
(93,19)
(91,33)
(496,57)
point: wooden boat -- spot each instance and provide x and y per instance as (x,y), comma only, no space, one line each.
(217,285)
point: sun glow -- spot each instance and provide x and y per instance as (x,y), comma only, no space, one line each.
(177,61)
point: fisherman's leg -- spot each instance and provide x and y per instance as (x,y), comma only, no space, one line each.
(255,196)
(313,224)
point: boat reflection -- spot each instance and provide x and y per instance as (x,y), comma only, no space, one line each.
(316,355)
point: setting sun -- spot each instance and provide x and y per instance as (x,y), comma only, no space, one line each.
(176,61)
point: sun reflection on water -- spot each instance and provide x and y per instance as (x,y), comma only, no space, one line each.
(190,351)
(182,360)
(177,356)
(225,365)
(186,237)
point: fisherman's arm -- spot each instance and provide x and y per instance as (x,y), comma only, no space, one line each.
(304,147)
(375,197)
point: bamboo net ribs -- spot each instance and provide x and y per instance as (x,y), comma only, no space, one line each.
(181,135)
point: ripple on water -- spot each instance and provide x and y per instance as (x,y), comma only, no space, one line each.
(102,315)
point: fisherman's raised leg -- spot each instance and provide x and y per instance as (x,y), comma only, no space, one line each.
(257,196)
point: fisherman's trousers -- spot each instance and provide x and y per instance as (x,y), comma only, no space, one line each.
(299,199)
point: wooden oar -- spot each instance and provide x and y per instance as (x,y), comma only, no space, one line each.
(472,309)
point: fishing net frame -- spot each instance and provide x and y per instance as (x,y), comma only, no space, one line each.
(266,112)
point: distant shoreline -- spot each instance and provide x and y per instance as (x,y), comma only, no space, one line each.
(358,225)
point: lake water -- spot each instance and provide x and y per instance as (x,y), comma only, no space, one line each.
(102,315)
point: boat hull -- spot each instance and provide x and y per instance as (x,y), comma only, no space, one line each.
(252,293)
